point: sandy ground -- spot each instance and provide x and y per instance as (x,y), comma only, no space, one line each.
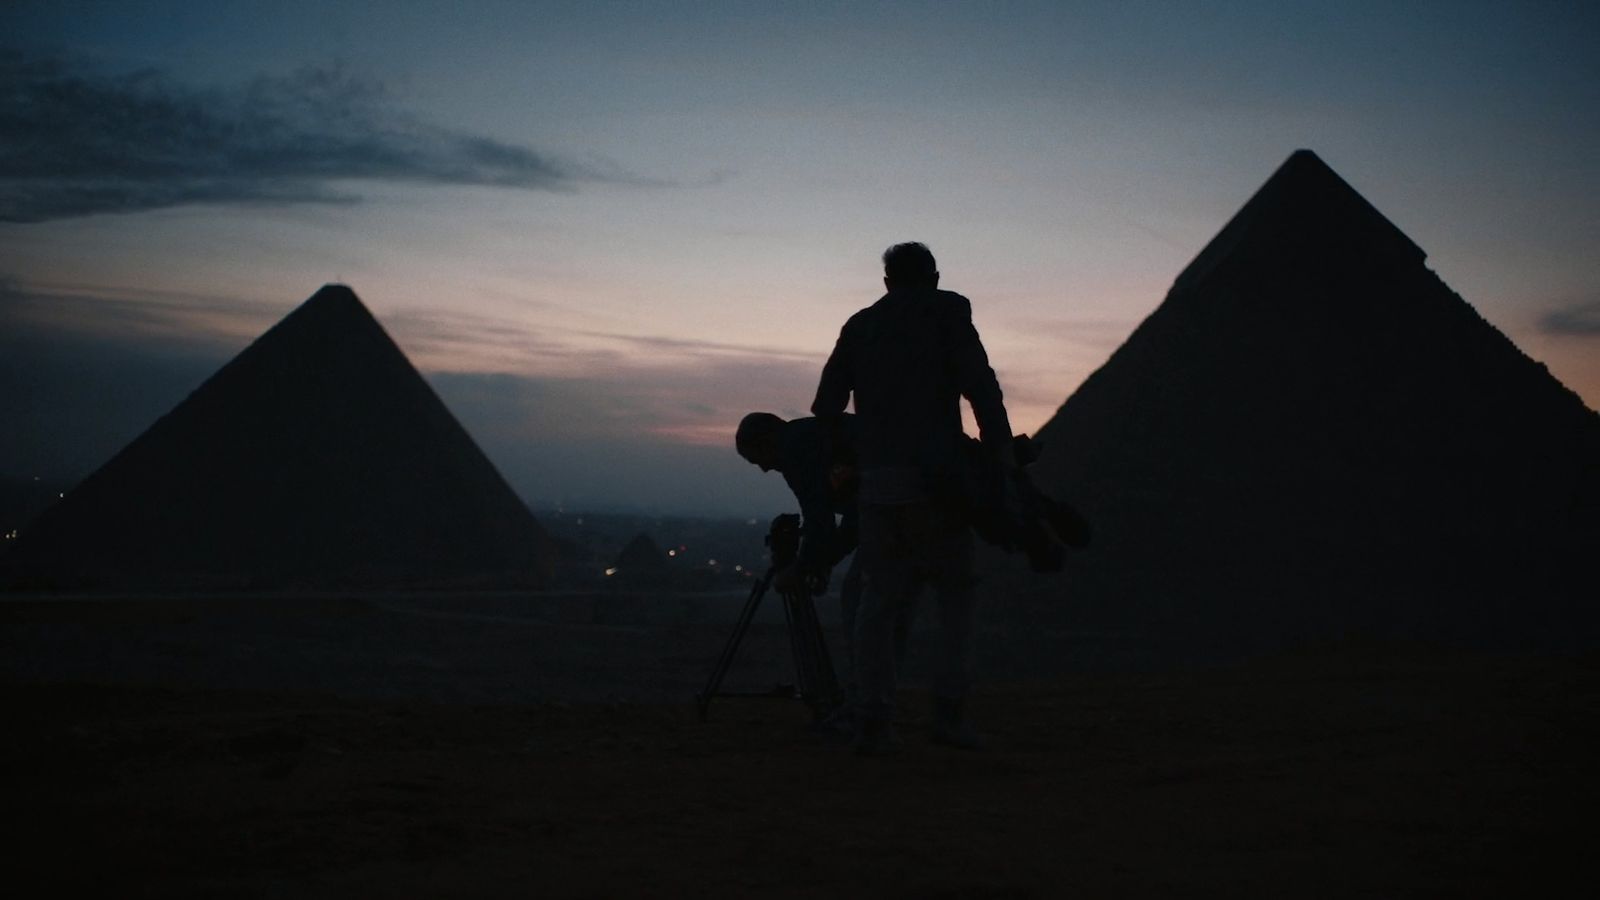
(1345,770)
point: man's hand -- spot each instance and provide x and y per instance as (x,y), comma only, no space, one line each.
(798,579)
(817,582)
(1004,455)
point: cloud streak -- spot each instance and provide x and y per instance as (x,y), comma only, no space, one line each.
(677,389)
(76,142)
(600,384)
(1579,319)
(83,371)
(543,382)
(590,417)
(127,315)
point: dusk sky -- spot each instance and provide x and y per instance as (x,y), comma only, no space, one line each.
(606,231)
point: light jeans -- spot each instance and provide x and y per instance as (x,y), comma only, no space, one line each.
(902,548)
(849,609)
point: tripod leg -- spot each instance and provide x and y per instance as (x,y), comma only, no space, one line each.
(829,694)
(797,647)
(819,685)
(714,683)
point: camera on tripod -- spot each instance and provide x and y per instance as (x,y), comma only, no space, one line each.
(783,540)
(815,682)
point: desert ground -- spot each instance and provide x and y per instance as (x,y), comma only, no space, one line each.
(549,746)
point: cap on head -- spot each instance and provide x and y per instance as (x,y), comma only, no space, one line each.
(910,265)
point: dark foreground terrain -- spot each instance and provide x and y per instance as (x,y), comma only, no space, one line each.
(1340,771)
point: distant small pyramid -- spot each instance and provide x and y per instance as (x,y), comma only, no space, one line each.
(317,456)
(1312,412)
(642,555)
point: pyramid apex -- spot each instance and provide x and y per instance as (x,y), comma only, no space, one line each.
(1304,216)
(333,292)
(1306,165)
(332,303)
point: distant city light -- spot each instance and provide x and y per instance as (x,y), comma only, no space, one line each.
(611,571)
(60,495)
(672,553)
(711,562)
(738,568)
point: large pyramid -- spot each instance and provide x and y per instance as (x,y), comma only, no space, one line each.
(1313,433)
(316,457)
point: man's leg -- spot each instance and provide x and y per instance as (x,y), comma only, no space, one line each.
(903,624)
(842,721)
(886,590)
(882,599)
(953,585)
(849,608)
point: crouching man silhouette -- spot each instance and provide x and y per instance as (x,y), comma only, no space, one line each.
(817,461)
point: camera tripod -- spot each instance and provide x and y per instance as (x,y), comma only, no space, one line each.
(815,682)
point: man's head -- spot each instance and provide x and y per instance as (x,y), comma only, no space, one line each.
(909,267)
(759,440)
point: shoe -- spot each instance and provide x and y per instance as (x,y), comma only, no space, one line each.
(950,731)
(840,725)
(876,737)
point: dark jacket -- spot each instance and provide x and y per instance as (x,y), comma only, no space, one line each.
(809,451)
(909,359)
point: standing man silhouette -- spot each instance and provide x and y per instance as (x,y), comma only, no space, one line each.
(909,359)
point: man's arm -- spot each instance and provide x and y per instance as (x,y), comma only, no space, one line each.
(833,390)
(806,456)
(816,520)
(976,379)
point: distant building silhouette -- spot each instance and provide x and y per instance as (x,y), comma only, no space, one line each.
(317,456)
(1313,433)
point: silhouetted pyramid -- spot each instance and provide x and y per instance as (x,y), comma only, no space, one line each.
(1312,421)
(318,455)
